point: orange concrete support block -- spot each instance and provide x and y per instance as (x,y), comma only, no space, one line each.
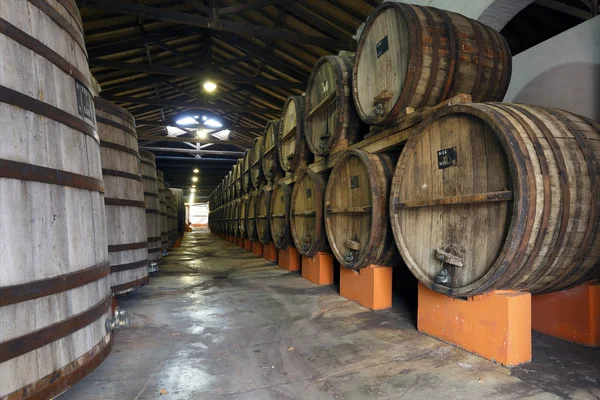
(270,252)
(496,326)
(572,314)
(289,259)
(257,248)
(240,242)
(177,243)
(318,269)
(247,245)
(371,287)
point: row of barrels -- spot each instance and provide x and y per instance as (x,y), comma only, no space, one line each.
(408,56)
(484,196)
(81,206)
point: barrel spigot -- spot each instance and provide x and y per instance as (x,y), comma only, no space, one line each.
(118,320)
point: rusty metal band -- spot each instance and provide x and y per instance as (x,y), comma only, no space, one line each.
(60,21)
(154,239)
(453,48)
(36,106)
(150,211)
(121,174)
(130,285)
(129,266)
(163,214)
(108,201)
(127,246)
(480,48)
(506,66)
(118,147)
(150,194)
(496,74)
(435,56)
(41,49)
(149,163)
(33,173)
(127,129)
(149,178)
(47,287)
(111,108)
(34,340)
(62,379)
(154,250)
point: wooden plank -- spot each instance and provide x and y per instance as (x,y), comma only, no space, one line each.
(322,105)
(194,73)
(244,7)
(193,140)
(192,106)
(466,199)
(217,24)
(192,151)
(311,213)
(142,122)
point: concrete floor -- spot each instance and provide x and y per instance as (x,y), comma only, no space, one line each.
(219,323)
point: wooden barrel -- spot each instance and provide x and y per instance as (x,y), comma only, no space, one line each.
(164,236)
(55,291)
(292,150)
(238,172)
(507,199)
(306,213)
(123,196)
(243,209)
(279,215)
(413,56)
(236,217)
(172,216)
(246,176)
(256,169)
(230,218)
(356,212)
(263,208)
(269,158)
(330,121)
(152,200)
(251,215)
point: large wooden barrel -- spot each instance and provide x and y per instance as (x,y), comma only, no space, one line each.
(164,224)
(238,172)
(152,200)
(246,175)
(172,216)
(55,292)
(256,170)
(330,121)
(269,158)
(356,210)
(413,56)
(507,199)
(251,215)
(292,150)
(306,213)
(123,196)
(263,208)
(236,216)
(231,217)
(279,215)
(243,210)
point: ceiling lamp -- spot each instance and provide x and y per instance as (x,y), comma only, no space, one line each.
(194,179)
(186,121)
(196,170)
(210,86)
(213,123)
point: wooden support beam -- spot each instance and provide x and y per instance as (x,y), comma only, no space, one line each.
(194,73)
(217,24)
(191,106)
(247,6)
(192,151)
(564,8)
(193,140)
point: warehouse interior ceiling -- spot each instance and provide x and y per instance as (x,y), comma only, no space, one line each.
(153,58)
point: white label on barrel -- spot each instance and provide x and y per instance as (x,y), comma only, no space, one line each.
(324,87)
(382,46)
(447,158)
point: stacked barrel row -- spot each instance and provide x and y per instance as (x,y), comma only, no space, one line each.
(483,196)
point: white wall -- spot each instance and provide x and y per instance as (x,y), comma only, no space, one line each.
(562,72)
(198,213)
